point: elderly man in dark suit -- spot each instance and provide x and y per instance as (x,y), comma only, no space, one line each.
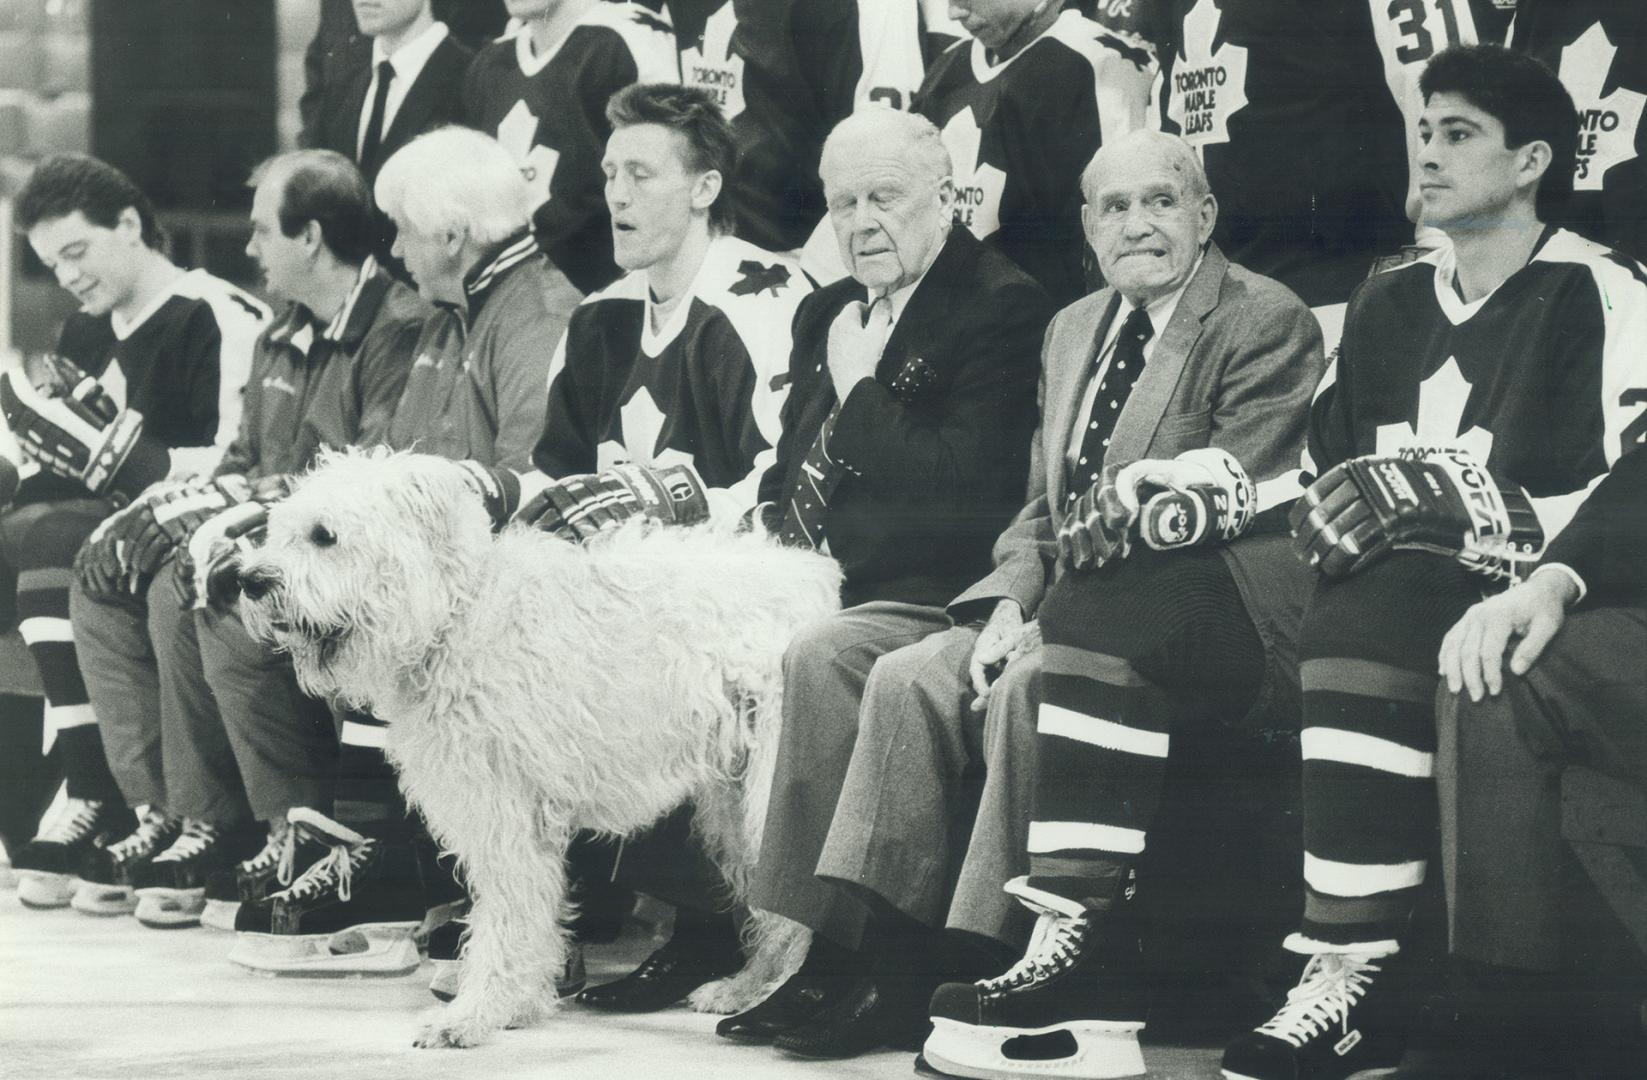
(1183,355)
(904,450)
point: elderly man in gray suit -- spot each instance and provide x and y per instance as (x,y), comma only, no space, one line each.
(1184,361)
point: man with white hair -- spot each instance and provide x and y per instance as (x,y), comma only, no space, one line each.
(475,393)
(904,451)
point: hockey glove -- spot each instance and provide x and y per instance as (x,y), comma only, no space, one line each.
(498,488)
(1099,524)
(97,563)
(219,540)
(74,429)
(1442,501)
(207,570)
(1202,496)
(168,514)
(580,507)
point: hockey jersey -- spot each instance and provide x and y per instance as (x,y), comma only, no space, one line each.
(549,112)
(1021,131)
(1286,102)
(1599,50)
(706,390)
(182,362)
(1544,379)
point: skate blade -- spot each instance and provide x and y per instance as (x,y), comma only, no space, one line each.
(1104,1050)
(219,914)
(379,951)
(103,900)
(169,909)
(43,892)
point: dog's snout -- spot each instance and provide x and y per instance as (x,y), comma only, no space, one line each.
(255,583)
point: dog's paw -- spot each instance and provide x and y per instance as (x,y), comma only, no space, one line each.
(446,1031)
(723,996)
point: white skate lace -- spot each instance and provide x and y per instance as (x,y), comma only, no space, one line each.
(276,852)
(74,822)
(334,870)
(1051,947)
(1331,983)
(150,831)
(197,837)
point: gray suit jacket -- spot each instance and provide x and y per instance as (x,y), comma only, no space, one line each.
(1235,368)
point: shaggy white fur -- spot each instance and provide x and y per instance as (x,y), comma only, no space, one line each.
(533,687)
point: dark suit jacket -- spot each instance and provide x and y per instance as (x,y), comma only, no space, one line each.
(1603,542)
(436,99)
(941,476)
(1235,368)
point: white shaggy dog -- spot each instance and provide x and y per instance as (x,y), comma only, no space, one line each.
(533,687)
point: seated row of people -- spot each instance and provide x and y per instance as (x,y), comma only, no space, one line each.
(1147,589)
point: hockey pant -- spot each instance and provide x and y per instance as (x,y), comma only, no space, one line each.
(1368,650)
(1134,654)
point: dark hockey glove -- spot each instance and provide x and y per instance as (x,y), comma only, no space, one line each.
(1202,496)
(499,490)
(219,533)
(1099,525)
(1442,501)
(580,507)
(97,563)
(207,570)
(73,428)
(166,516)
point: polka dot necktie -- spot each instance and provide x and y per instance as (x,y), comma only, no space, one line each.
(1115,386)
(806,515)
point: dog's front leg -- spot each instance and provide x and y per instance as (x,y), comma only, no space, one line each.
(517,945)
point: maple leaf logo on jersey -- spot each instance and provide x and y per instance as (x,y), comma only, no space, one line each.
(642,423)
(1442,399)
(1606,125)
(517,133)
(978,185)
(757,277)
(712,65)
(1209,84)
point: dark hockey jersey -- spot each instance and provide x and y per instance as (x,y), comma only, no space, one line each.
(1544,379)
(705,391)
(1021,132)
(549,112)
(182,362)
(1599,49)
(786,72)
(1302,142)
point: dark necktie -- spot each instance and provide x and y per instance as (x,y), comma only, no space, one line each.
(803,518)
(374,122)
(1125,365)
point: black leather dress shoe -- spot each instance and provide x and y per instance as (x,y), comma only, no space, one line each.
(798,1000)
(865,1018)
(672,971)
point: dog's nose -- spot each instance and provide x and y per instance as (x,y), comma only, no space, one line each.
(254,583)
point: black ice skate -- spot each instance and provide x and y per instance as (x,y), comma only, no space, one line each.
(108,875)
(1073,1006)
(1342,1017)
(46,866)
(171,887)
(352,913)
(279,862)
